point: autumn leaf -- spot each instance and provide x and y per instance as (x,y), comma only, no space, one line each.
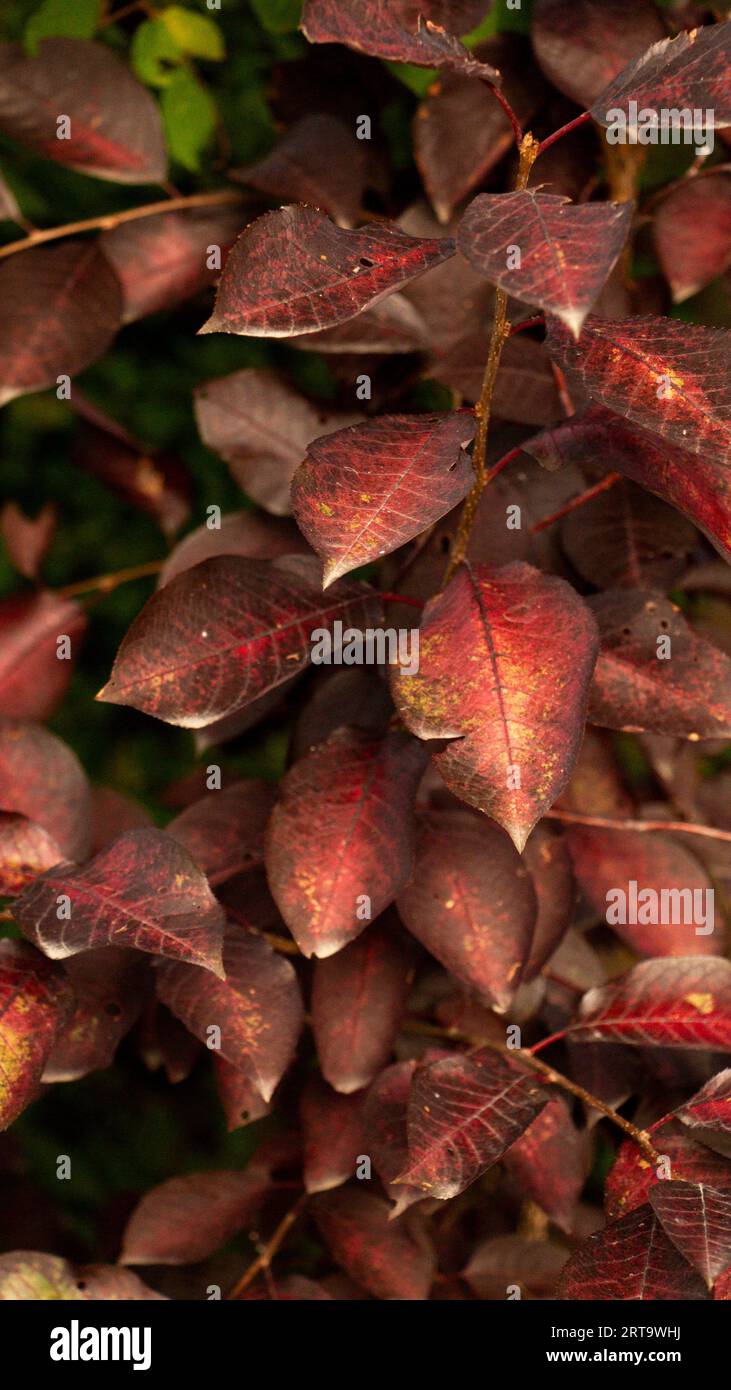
(187,1219)
(672,1002)
(225,632)
(632,1178)
(690,70)
(380,1254)
(26,850)
(34,675)
(332,1136)
(364,491)
(35,1000)
(505,660)
(404,32)
(30,1276)
(582,44)
(110,987)
(341,839)
(42,779)
(143,891)
(161,261)
(224,831)
(293,271)
(697,1219)
(544,249)
(689,261)
(318,161)
(257,1007)
(27,540)
(708,1114)
(464,1112)
(631,1259)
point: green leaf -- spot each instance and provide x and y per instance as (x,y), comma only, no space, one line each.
(194,33)
(189,113)
(278,16)
(59,19)
(155,56)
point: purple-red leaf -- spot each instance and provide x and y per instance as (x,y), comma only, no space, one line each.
(241,533)
(293,271)
(672,1002)
(163,260)
(225,632)
(697,1219)
(471,902)
(548,1163)
(631,1260)
(113,131)
(669,377)
(689,260)
(187,1219)
(224,831)
(332,1136)
(464,1112)
(26,850)
(109,986)
(632,1179)
(582,44)
(654,673)
(261,426)
(401,31)
(35,1000)
(364,491)
(320,162)
(257,1008)
(691,70)
(27,540)
(62,308)
(564,251)
(506,656)
(358,998)
(42,779)
(380,1254)
(35,666)
(708,1114)
(341,839)
(143,891)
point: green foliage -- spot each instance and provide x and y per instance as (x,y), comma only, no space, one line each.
(155,53)
(194,33)
(278,16)
(189,113)
(61,19)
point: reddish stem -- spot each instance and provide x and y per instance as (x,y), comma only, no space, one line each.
(601,486)
(670,827)
(402,598)
(502,463)
(564,130)
(546,1042)
(509,112)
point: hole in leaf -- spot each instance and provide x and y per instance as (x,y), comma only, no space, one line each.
(364,260)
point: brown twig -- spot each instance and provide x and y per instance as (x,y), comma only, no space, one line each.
(669,826)
(104,583)
(500,332)
(263,1260)
(219,196)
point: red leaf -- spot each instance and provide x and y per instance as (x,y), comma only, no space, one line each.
(631,1260)
(380,1254)
(471,902)
(460,131)
(115,131)
(548,1163)
(358,998)
(698,1221)
(625,538)
(505,1261)
(548,861)
(582,44)
(258,1007)
(401,33)
(464,1112)
(109,986)
(225,632)
(364,491)
(516,724)
(35,999)
(708,1114)
(187,1219)
(341,839)
(63,307)
(163,260)
(333,1136)
(261,426)
(153,482)
(689,70)
(385,1129)
(224,831)
(143,891)
(34,675)
(319,162)
(241,533)
(27,541)
(240,1099)
(689,261)
(391,325)
(641,683)
(567,250)
(653,882)
(671,378)
(42,779)
(632,1179)
(698,486)
(673,1002)
(293,271)
(26,850)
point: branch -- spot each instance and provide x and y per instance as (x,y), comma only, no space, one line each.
(106,582)
(500,331)
(564,130)
(669,826)
(115,219)
(575,502)
(509,112)
(263,1260)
